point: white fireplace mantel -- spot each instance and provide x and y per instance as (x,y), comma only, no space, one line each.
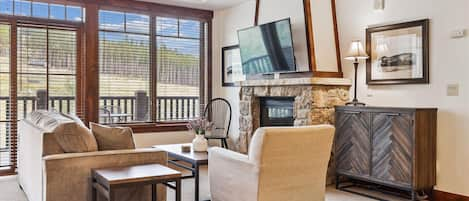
(307,81)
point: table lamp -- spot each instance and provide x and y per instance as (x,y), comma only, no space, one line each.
(356,53)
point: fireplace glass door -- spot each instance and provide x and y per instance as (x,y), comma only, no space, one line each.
(276,111)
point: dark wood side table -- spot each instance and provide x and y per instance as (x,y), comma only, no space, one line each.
(196,159)
(105,181)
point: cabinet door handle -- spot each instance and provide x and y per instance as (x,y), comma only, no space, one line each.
(351,112)
(392,114)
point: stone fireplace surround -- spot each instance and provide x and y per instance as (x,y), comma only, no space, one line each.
(314,103)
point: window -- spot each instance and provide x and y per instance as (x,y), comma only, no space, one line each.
(178,58)
(133,83)
(46,69)
(149,70)
(46,73)
(124,67)
(41,10)
(47,58)
(7,7)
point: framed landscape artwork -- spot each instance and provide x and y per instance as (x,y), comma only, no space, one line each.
(399,53)
(232,70)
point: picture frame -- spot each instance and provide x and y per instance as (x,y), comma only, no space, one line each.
(232,70)
(399,53)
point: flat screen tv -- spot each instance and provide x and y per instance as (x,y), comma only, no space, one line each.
(267,48)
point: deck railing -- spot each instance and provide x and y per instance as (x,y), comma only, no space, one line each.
(168,108)
(131,108)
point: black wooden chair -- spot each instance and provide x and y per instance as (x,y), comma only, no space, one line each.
(218,111)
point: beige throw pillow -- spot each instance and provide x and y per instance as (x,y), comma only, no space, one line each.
(112,138)
(74,138)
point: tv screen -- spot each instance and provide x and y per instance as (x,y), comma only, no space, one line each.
(267,48)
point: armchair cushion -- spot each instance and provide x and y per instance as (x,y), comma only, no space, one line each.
(113,138)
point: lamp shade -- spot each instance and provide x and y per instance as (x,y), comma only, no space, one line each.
(356,51)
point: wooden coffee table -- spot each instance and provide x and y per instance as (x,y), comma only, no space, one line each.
(105,181)
(196,159)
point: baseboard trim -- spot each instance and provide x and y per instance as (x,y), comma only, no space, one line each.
(445,196)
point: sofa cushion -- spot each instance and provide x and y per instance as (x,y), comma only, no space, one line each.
(70,135)
(112,138)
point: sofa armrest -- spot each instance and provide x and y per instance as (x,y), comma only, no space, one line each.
(68,176)
(232,176)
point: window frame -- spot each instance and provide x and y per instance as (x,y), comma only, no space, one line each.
(23,21)
(78,68)
(125,31)
(65,3)
(87,79)
(205,87)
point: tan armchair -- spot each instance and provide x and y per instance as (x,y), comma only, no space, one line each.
(282,164)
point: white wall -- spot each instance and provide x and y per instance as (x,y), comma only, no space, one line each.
(226,23)
(273,10)
(448,65)
(146,140)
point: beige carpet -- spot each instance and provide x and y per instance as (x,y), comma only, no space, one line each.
(9,191)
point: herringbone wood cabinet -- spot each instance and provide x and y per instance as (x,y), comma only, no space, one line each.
(395,147)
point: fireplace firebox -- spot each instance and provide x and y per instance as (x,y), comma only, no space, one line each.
(276,111)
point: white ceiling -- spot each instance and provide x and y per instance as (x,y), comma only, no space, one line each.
(200,4)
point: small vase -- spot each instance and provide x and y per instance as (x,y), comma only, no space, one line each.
(199,144)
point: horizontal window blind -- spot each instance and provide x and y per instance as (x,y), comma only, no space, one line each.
(46,67)
(127,68)
(124,67)
(178,58)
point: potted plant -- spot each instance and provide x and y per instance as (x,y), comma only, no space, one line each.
(199,126)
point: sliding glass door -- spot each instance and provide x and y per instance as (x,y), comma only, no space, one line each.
(38,70)
(5,99)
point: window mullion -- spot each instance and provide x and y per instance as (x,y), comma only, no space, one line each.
(202,66)
(153,70)
(47,68)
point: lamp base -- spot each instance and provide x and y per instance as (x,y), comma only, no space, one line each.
(355,103)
